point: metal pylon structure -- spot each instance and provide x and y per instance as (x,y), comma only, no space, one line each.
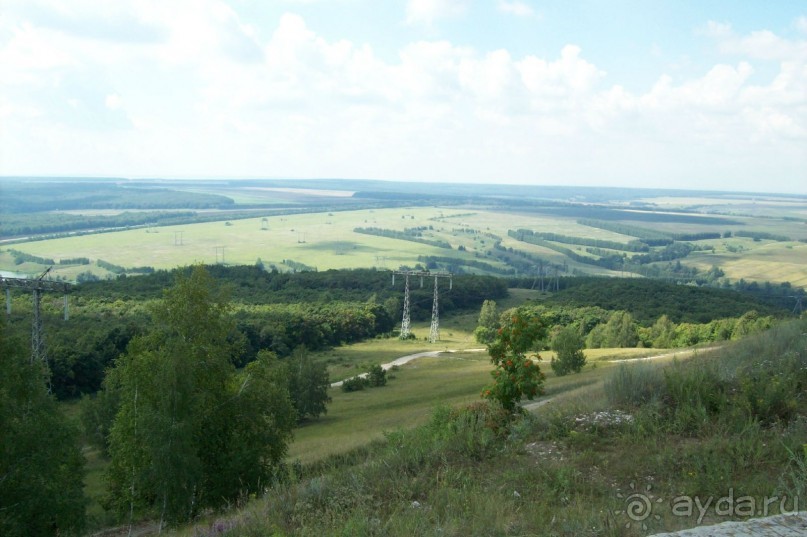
(434,332)
(37,286)
(405,321)
(797,309)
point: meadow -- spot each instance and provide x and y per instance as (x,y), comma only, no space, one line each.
(477,235)
(660,432)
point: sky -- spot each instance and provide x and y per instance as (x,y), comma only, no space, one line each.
(707,94)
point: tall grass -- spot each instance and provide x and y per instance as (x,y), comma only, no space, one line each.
(688,427)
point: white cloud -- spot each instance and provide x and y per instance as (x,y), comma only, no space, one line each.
(429,11)
(515,7)
(209,97)
(761,44)
(113,101)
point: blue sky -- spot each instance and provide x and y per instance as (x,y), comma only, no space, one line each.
(707,94)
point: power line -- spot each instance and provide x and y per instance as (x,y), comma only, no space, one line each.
(434,331)
(37,287)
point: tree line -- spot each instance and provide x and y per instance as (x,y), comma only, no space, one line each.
(272,311)
(411,236)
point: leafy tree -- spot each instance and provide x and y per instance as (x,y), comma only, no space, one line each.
(568,345)
(662,333)
(596,338)
(98,413)
(515,375)
(619,331)
(308,385)
(190,433)
(41,465)
(488,323)
(747,324)
(263,417)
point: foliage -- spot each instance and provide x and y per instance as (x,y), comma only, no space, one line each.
(308,385)
(355,384)
(761,379)
(377,376)
(488,323)
(611,261)
(460,265)
(662,334)
(408,235)
(98,413)
(761,235)
(569,348)
(22,257)
(647,300)
(515,374)
(632,246)
(41,465)
(190,433)
(29,197)
(251,285)
(619,332)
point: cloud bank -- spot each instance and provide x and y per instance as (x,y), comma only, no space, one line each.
(187,88)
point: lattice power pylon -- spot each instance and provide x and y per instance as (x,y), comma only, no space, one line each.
(405,321)
(37,286)
(434,332)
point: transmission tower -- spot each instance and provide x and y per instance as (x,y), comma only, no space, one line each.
(797,307)
(37,286)
(405,328)
(434,332)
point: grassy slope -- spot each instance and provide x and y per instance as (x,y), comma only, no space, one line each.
(562,473)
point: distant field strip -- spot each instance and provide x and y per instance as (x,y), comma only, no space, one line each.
(775,262)
(633,246)
(401,235)
(650,236)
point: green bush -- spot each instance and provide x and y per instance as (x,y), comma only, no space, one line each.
(377,376)
(354,384)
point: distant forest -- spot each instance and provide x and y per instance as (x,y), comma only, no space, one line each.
(281,311)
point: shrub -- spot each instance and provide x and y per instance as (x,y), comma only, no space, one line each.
(377,376)
(354,384)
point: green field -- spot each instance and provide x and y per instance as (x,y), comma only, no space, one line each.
(327,240)
(356,418)
(766,261)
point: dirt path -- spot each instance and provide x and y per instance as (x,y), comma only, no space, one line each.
(408,358)
(686,352)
